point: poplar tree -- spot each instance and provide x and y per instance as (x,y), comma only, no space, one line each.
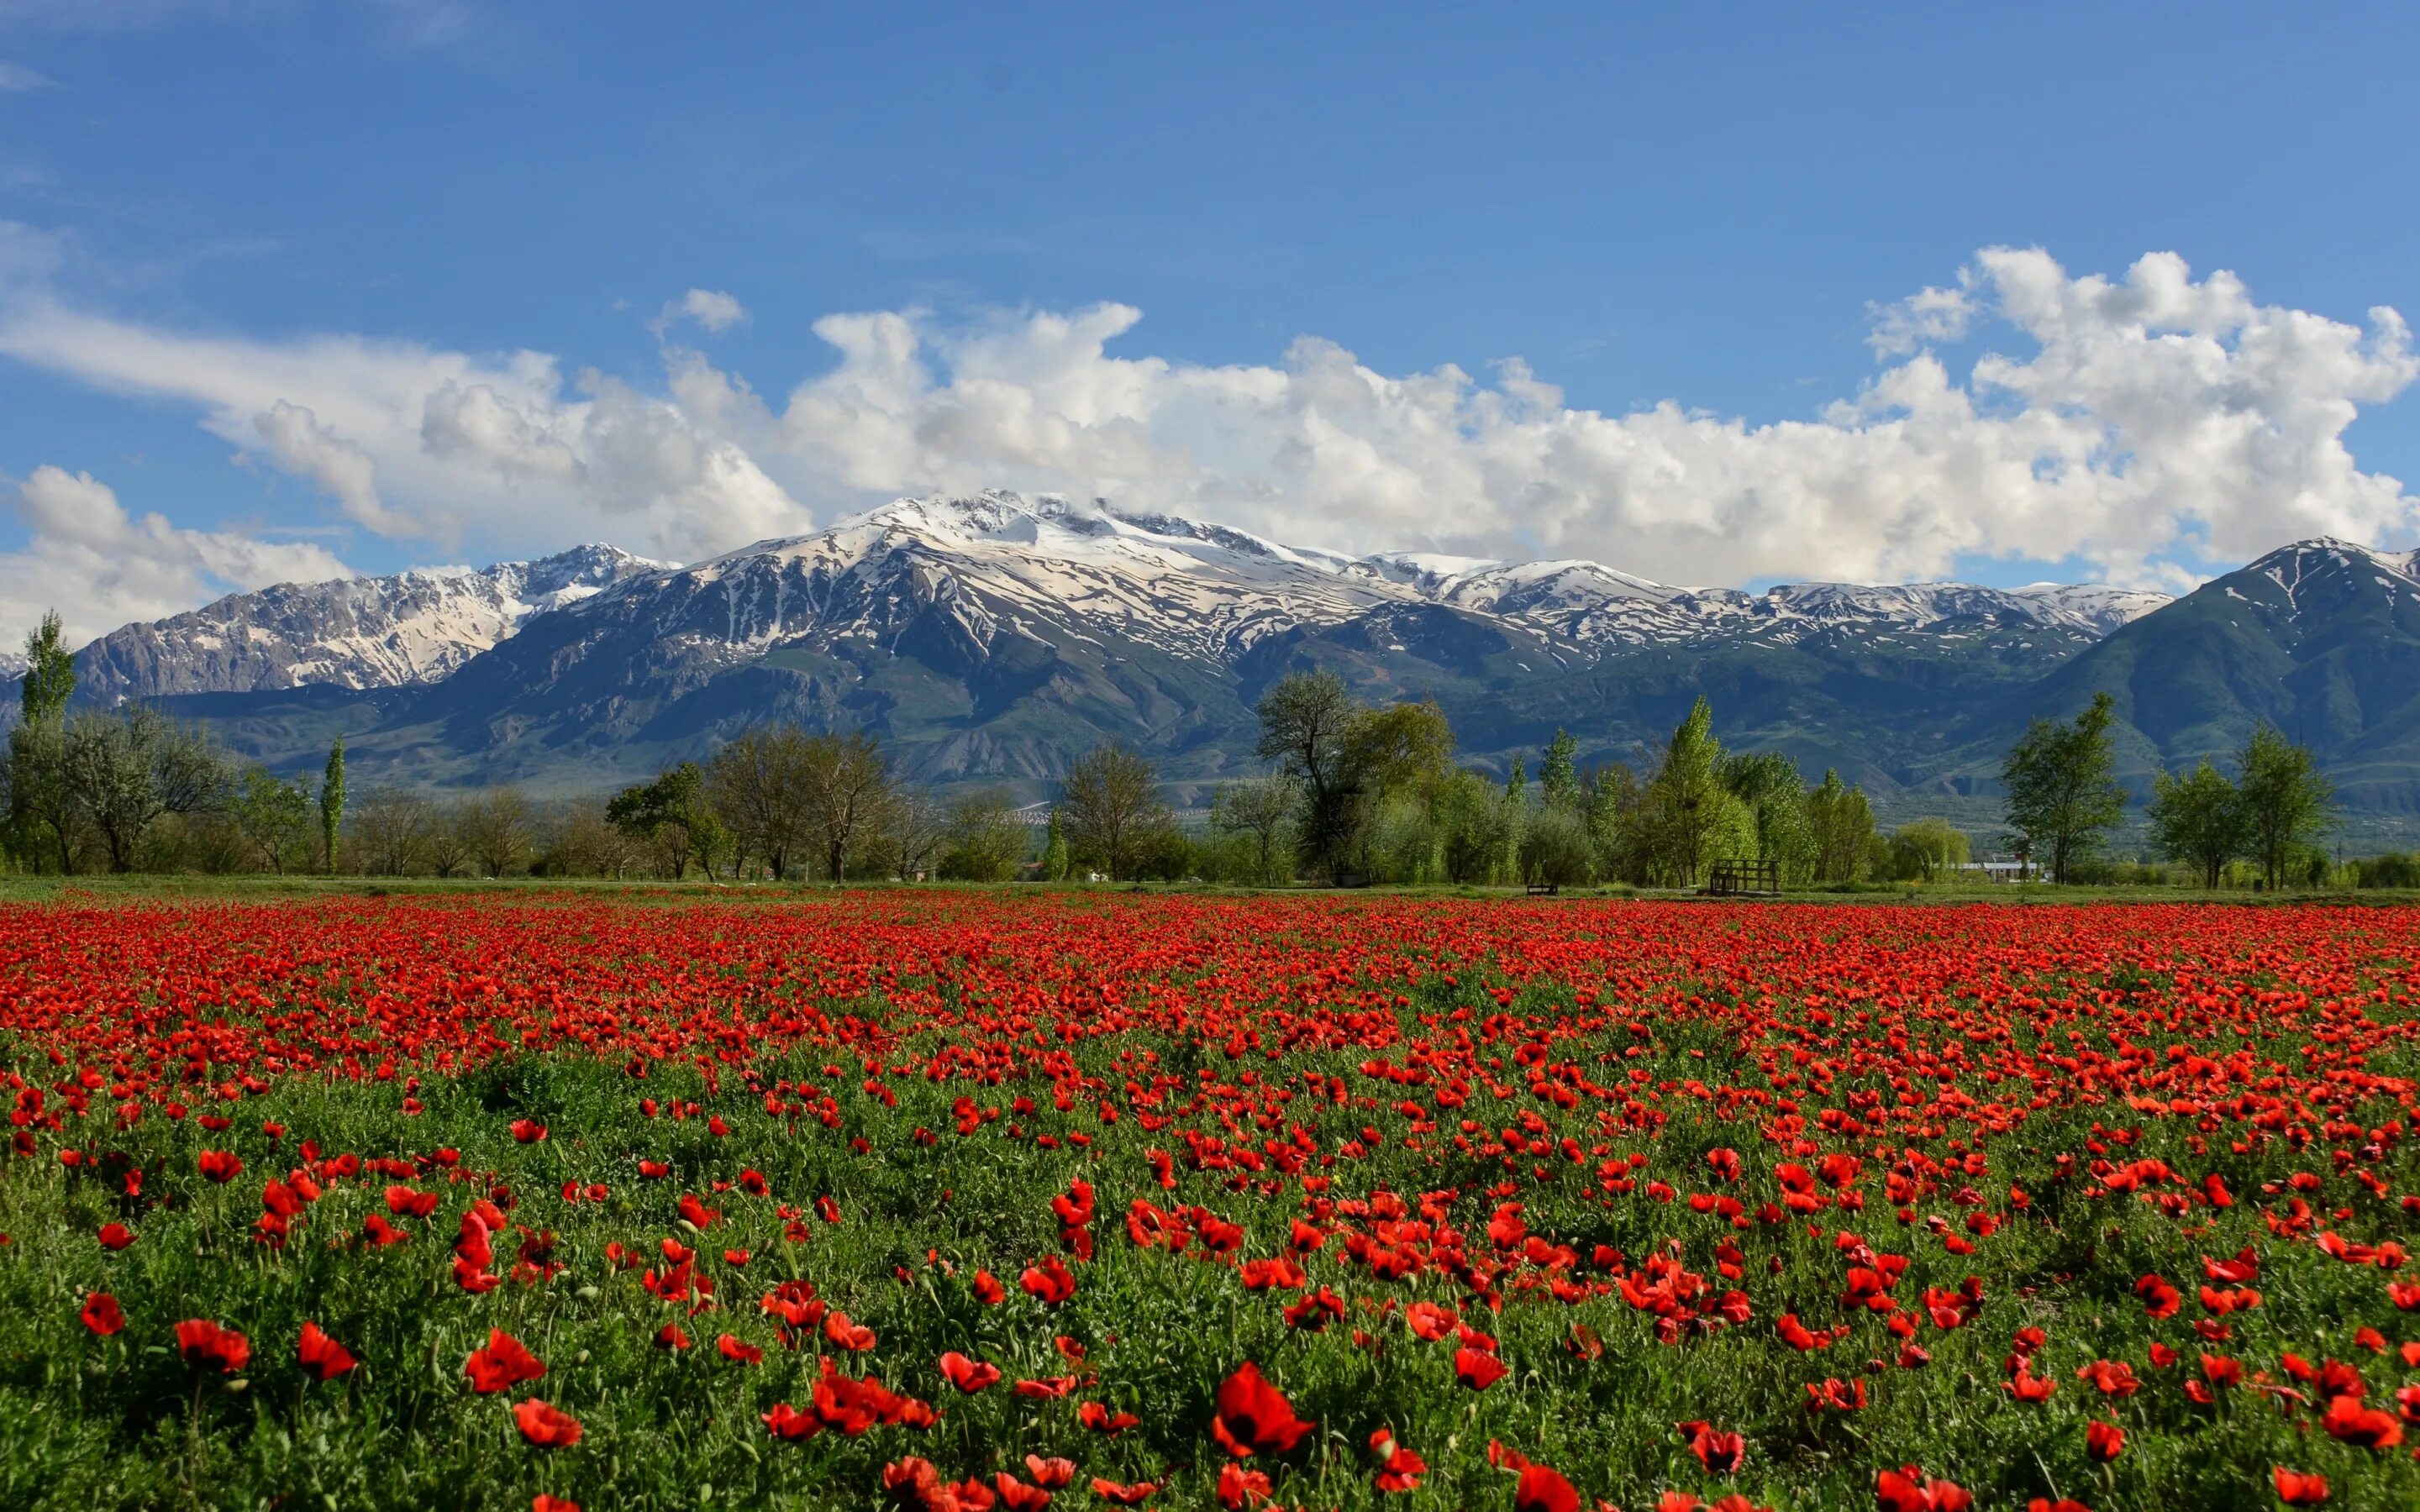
(332,801)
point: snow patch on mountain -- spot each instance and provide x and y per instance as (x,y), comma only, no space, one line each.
(412,627)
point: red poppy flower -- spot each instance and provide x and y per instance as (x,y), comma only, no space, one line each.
(321,1357)
(789,1425)
(543,1503)
(220,1164)
(1097,1416)
(1718,1452)
(732,1346)
(2295,1489)
(116,1236)
(207,1344)
(100,1314)
(1020,1496)
(988,1291)
(2103,1442)
(1477,1368)
(969,1375)
(670,1337)
(548,1427)
(1428,1321)
(503,1363)
(1253,1416)
(1051,1474)
(1134,1495)
(1240,1488)
(1541,1490)
(1049,1281)
(2349,1420)
(1909,1489)
(1399,1468)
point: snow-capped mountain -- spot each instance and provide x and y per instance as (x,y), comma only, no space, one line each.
(999,561)
(997,637)
(413,627)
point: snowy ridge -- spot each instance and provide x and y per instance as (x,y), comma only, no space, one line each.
(409,628)
(1209,591)
(1035,568)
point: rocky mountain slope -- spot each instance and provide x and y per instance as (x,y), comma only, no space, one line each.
(358,633)
(997,637)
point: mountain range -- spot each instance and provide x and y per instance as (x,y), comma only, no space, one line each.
(995,638)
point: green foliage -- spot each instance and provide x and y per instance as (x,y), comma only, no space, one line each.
(2287,804)
(331,804)
(1926,849)
(273,815)
(1055,859)
(2063,797)
(1841,823)
(50,673)
(1115,818)
(1558,779)
(986,841)
(2199,818)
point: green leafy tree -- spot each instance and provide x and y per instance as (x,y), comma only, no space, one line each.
(1306,721)
(1769,784)
(331,804)
(1925,850)
(1558,779)
(2199,818)
(1260,810)
(132,767)
(1688,818)
(45,809)
(2287,803)
(273,815)
(1842,824)
(2062,798)
(1110,801)
(985,839)
(672,813)
(1055,861)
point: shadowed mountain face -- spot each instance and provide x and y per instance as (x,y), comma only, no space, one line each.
(997,637)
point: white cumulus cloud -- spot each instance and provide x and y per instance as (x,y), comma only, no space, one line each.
(2134,422)
(716,311)
(101,567)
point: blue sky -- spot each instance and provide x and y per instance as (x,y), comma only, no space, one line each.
(266,265)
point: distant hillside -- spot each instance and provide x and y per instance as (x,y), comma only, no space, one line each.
(996,638)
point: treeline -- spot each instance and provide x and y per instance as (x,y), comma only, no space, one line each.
(2064,803)
(1350,792)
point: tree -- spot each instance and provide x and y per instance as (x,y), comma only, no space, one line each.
(2197,818)
(1558,780)
(390,828)
(2287,804)
(1305,722)
(272,814)
(1054,851)
(1692,818)
(1555,847)
(49,672)
(756,783)
(1769,784)
(332,802)
(1111,802)
(495,827)
(846,783)
(672,815)
(1262,808)
(2062,798)
(130,769)
(986,839)
(43,808)
(1923,850)
(1842,822)
(914,829)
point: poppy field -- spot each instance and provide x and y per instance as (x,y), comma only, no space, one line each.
(963,1200)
